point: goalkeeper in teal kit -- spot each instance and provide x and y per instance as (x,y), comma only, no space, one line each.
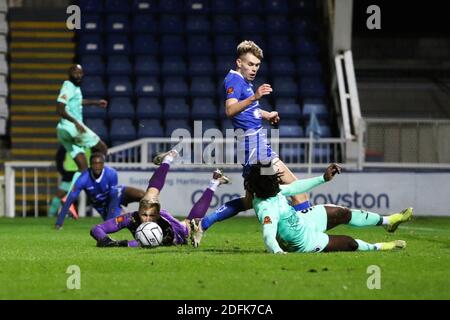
(287,230)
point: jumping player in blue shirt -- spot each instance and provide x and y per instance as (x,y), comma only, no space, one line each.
(242,106)
(100,182)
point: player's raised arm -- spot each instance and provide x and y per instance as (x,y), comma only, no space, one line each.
(93,102)
(233,106)
(272,117)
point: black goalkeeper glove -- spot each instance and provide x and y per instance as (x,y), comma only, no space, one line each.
(108,242)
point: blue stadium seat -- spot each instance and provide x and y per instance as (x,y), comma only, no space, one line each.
(288,109)
(144,6)
(306,46)
(175,87)
(171,24)
(94,112)
(225,24)
(176,108)
(92,65)
(276,6)
(291,131)
(117,23)
(225,124)
(148,108)
(118,44)
(305,26)
(120,108)
(99,127)
(253,6)
(309,66)
(117,6)
(197,24)
(251,24)
(122,129)
(144,23)
(325,131)
(316,107)
(149,128)
(279,45)
(90,6)
(225,45)
(208,124)
(285,87)
(292,154)
(282,66)
(172,45)
(174,66)
(91,23)
(93,87)
(202,87)
(197,7)
(199,45)
(90,44)
(146,66)
(172,125)
(120,86)
(170,6)
(223,7)
(145,44)
(147,87)
(203,108)
(224,64)
(304,7)
(312,88)
(278,25)
(119,66)
(200,66)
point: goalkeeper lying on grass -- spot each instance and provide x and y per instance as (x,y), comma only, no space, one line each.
(174,232)
(286,230)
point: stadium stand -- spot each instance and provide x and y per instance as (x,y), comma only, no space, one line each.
(167,61)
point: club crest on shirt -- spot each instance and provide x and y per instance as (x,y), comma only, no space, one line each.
(267,220)
(230,90)
(119,219)
(64,97)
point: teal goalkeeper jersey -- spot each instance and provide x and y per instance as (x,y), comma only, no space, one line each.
(71,96)
(279,219)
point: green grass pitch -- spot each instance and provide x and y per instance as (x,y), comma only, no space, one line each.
(230,264)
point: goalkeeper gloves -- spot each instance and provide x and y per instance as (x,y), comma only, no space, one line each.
(108,242)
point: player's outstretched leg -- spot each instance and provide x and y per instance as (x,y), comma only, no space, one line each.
(346,243)
(163,160)
(394,220)
(337,215)
(201,206)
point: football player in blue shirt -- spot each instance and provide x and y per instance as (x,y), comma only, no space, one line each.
(100,182)
(242,106)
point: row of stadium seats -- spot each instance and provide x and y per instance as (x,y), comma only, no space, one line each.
(139,44)
(124,130)
(147,65)
(304,7)
(202,109)
(192,24)
(171,86)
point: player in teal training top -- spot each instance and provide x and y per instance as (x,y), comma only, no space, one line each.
(287,230)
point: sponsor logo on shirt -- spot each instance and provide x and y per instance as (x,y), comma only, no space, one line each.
(267,220)
(230,90)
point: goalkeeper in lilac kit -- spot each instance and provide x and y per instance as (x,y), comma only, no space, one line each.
(175,232)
